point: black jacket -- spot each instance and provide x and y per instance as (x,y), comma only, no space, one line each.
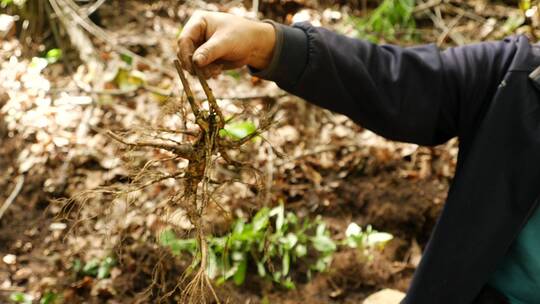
(480,93)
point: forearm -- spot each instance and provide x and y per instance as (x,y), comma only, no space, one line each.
(420,94)
(387,89)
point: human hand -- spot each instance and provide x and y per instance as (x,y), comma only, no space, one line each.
(216,41)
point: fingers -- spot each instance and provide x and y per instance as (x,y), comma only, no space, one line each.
(211,70)
(210,51)
(193,34)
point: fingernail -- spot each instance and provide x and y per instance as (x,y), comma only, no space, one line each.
(199,59)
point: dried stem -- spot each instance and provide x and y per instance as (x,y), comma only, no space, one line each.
(181,150)
(210,96)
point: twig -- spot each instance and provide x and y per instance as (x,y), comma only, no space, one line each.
(151,89)
(211,99)
(13,195)
(184,151)
(451,26)
(425,6)
(439,23)
(187,89)
(93,7)
(465,13)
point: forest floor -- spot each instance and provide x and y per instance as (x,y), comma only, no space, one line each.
(316,162)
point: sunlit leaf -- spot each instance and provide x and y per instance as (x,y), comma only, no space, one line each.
(261,219)
(286,263)
(19,297)
(104,270)
(377,238)
(260,269)
(300,250)
(289,240)
(353,230)
(129,80)
(49,298)
(126,58)
(53,55)
(240,275)
(288,283)
(238,129)
(91,268)
(212,270)
(323,243)
(279,212)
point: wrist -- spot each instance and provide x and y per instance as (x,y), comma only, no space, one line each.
(265,42)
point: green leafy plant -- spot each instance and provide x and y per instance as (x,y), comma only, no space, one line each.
(19,3)
(53,55)
(274,242)
(100,269)
(365,240)
(20,297)
(392,18)
(50,298)
(238,129)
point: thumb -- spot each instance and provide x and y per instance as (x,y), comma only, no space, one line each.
(209,52)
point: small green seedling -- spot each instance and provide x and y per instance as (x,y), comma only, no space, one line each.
(20,297)
(238,129)
(100,269)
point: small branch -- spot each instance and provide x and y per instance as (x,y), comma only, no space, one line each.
(13,195)
(183,151)
(446,32)
(179,131)
(210,95)
(187,89)
(425,6)
(159,179)
(93,7)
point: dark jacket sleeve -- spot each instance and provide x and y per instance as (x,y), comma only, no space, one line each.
(418,94)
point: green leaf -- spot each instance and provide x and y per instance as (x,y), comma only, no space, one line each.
(19,3)
(300,250)
(238,129)
(126,58)
(276,275)
(279,212)
(53,55)
(77,266)
(261,270)
(378,238)
(240,274)
(19,297)
(49,298)
(286,263)
(323,243)
(5,3)
(167,237)
(322,263)
(91,268)
(321,229)
(261,219)
(104,270)
(234,74)
(289,240)
(288,283)
(212,269)
(129,80)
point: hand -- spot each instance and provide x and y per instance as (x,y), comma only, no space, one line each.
(216,41)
